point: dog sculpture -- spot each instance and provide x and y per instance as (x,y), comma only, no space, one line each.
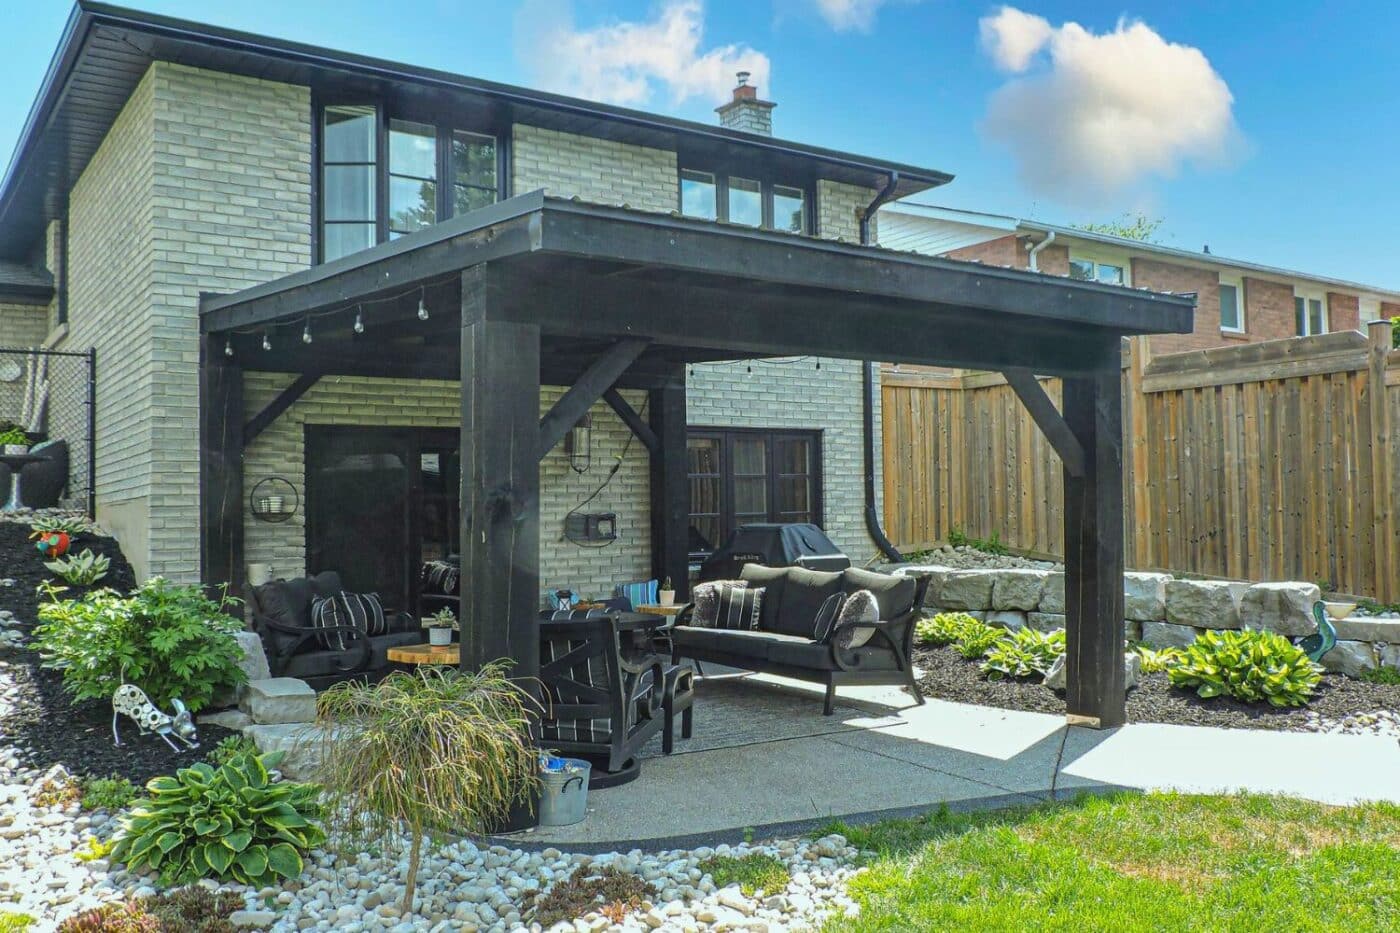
(131,700)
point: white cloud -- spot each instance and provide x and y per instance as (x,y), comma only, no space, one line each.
(628,62)
(1106,111)
(844,15)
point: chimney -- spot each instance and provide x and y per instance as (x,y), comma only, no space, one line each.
(746,112)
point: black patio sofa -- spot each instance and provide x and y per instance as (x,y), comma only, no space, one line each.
(785,641)
(280,612)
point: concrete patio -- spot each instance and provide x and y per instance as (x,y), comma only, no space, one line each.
(880,756)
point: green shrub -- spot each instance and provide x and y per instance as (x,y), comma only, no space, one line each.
(992,545)
(976,640)
(1385,674)
(109,793)
(230,747)
(231,823)
(82,569)
(170,640)
(1023,654)
(944,628)
(1156,660)
(14,435)
(1250,666)
(754,872)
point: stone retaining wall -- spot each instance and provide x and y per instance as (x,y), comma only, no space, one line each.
(1163,611)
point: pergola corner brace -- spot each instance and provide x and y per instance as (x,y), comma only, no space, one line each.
(1047,417)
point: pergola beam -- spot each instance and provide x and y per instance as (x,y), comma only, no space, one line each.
(1046,417)
(639,428)
(274,409)
(598,378)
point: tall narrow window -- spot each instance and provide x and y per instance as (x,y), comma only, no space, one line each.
(699,195)
(745,202)
(474,183)
(1231,308)
(1309,316)
(789,209)
(348,190)
(412,177)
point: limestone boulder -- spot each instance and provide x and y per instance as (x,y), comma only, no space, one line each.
(278,700)
(1168,635)
(1369,628)
(1011,621)
(1055,678)
(1045,621)
(966,589)
(299,742)
(1389,655)
(1052,597)
(253,663)
(1145,596)
(1018,590)
(1285,608)
(1202,604)
(1350,658)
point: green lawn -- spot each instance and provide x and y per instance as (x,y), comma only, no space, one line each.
(1134,862)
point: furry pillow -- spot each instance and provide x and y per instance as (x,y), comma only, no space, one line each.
(860,606)
(705,596)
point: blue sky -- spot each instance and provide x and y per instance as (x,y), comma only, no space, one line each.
(1267,130)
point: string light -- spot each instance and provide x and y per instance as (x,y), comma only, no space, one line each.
(819,364)
(422,309)
(359,322)
(228,348)
(267,342)
(306,332)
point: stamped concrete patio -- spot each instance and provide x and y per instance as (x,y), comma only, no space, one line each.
(880,756)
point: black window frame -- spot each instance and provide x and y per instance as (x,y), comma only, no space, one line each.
(726,436)
(444,120)
(766,181)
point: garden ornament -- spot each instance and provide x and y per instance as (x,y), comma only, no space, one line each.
(132,701)
(1324,639)
(53,544)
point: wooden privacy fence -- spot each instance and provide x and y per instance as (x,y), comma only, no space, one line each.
(1266,461)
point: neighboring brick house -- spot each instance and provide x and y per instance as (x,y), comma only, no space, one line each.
(1237,302)
(165,159)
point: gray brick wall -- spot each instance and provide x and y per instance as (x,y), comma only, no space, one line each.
(20,326)
(596,170)
(280,451)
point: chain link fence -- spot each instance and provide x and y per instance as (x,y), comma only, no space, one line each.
(50,395)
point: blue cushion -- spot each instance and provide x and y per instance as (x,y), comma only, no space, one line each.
(639,594)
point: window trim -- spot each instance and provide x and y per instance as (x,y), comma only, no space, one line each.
(765,187)
(443,122)
(1101,258)
(727,524)
(1237,283)
(1305,295)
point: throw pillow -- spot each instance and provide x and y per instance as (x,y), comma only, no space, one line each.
(827,616)
(705,596)
(361,611)
(739,607)
(860,606)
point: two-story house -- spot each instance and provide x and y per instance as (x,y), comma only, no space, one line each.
(1238,301)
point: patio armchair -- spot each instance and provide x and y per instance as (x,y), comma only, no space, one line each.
(598,705)
(280,612)
(786,642)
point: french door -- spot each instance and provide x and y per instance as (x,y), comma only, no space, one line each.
(743,475)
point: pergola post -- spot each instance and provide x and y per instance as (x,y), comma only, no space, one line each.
(220,468)
(1095,692)
(500,480)
(670,485)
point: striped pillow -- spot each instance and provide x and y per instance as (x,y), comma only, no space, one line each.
(739,607)
(706,599)
(826,617)
(357,610)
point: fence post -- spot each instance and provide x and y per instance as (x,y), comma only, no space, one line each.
(1387,549)
(1136,406)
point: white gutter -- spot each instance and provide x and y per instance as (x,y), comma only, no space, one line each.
(1035,250)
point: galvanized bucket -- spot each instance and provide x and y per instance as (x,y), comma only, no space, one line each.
(564,794)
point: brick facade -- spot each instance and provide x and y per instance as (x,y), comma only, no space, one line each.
(23,325)
(1170,277)
(1003,251)
(1343,312)
(598,170)
(1268,310)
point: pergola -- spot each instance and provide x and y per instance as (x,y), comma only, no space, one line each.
(537,290)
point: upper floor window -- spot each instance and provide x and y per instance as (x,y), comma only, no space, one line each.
(1093,269)
(1231,306)
(384,177)
(1310,315)
(748,201)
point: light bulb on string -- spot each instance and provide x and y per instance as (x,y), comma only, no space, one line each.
(228,347)
(422,309)
(359,322)
(267,341)
(306,333)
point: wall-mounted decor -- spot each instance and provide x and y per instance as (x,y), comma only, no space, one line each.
(273,499)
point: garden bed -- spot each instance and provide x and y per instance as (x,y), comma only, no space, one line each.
(947,676)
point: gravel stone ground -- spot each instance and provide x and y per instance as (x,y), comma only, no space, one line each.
(967,558)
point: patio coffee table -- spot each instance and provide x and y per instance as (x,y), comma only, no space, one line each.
(425,654)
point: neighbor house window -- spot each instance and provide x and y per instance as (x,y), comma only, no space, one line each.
(1231,306)
(748,201)
(383,177)
(1087,269)
(741,476)
(1310,315)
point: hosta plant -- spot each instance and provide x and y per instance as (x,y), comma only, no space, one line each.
(83,569)
(1251,666)
(231,823)
(977,639)
(1156,660)
(59,524)
(1023,654)
(171,641)
(944,628)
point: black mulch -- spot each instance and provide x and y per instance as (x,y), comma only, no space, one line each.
(44,725)
(948,677)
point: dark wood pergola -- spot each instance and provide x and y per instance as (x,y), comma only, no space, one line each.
(542,291)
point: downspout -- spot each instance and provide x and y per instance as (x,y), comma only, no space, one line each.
(1035,250)
(867,376)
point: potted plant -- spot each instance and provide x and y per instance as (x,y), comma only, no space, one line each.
(440,626)
(14,441)
(433,752)
(667,593)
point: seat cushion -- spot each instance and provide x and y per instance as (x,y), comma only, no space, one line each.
(894,595)
(809,655)
(739,642)
(774,582)
(803,596)
(287,602)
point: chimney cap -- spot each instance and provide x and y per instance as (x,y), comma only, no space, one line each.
(743,77)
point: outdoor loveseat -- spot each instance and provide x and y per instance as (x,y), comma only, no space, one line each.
(280,612)
(786,640)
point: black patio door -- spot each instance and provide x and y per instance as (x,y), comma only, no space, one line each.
(379,501)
